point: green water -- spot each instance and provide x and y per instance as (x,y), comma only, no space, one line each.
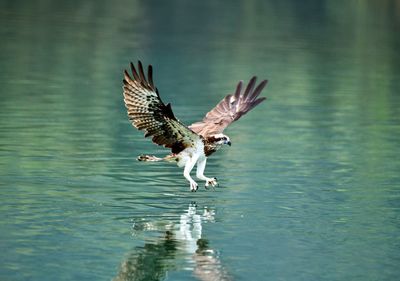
(309,190)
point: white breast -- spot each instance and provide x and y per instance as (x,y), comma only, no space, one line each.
(195,152)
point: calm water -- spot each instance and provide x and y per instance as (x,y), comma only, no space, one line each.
(310,189)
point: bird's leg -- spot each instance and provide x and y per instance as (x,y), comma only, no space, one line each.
(186,173)
(201,165)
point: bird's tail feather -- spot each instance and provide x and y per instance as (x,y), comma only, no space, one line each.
(152,158)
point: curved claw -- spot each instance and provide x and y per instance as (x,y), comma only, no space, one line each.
(193,186)
(213,182)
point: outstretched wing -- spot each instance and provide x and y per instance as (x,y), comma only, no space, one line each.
(147,112)
(230,109)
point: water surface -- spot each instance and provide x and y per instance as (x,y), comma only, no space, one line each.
(309,189)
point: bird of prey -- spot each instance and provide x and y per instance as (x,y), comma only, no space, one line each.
(190,145)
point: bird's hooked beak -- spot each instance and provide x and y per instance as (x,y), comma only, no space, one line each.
(228,142)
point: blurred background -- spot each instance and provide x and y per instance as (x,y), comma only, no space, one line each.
(309,190)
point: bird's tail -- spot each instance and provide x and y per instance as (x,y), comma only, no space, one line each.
(152,158)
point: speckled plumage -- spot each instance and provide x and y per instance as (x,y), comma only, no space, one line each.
(147,112)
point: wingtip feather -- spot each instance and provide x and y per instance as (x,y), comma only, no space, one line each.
(150,76)
(134,72)
(141,72)
(250,87)
(238,91)
(257,91)
(257,102)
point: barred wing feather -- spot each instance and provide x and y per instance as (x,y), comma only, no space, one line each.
(147,112)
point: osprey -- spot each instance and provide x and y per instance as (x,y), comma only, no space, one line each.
(190,145)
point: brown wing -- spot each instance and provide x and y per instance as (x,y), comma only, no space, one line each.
(230,109)
(147,112)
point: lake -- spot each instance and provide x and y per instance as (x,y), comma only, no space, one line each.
(309,189)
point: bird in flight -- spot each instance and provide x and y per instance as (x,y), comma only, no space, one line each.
(190,145)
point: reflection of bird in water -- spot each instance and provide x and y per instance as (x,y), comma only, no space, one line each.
(155,260)
(208,266)
(189,145)
(151,262)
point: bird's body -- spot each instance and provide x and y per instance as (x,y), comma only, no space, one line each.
(189,145)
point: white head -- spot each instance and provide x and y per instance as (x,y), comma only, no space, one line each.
(220,139)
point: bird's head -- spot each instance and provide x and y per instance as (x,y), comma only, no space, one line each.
(221,139)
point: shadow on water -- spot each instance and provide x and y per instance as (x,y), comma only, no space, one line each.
(180,240)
